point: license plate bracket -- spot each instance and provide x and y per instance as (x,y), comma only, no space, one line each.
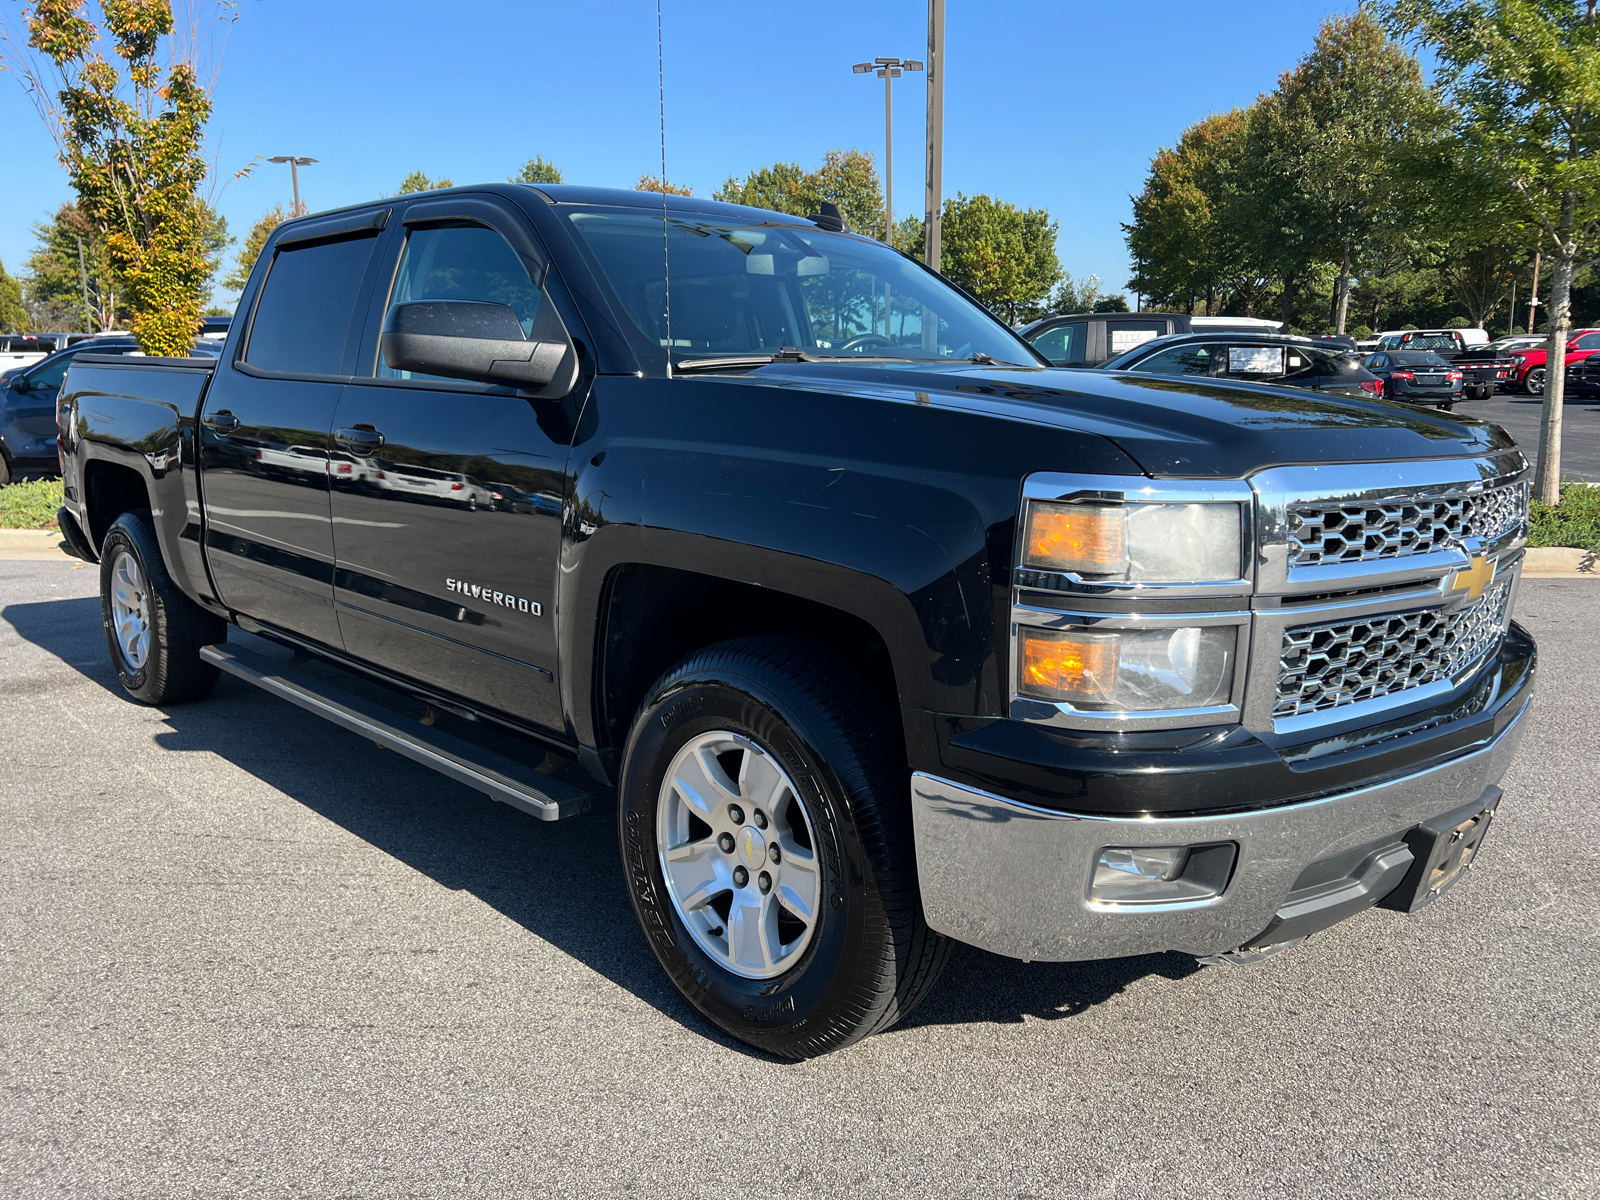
(1443,850)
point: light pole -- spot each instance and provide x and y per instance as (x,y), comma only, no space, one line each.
(888,69)
(935,181)
(294,174)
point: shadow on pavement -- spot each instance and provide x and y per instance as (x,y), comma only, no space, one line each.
(561,881)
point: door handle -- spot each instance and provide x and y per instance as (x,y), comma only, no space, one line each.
(222,421)
(363,439)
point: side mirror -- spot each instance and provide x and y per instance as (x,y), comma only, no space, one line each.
(475,340)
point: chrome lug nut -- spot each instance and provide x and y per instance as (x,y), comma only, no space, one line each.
(741,877)
(774,853)
(736,814)
(761,819)
(766,882)
(725,843)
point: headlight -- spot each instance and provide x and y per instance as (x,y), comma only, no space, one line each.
(1128,670)
(1136,543)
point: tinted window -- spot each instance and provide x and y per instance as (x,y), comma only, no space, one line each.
(1377,362)
(1122,336)
(1178,360)
(746,286)
(1302,365)
(305,307)
(1589,341)
(50,374)
(1417,358)
(1431,341)
(461,262)
(1065,344)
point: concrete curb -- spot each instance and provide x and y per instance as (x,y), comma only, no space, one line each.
(1559,562)
(32,545)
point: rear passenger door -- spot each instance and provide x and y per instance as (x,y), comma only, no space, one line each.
(435,580)
(265,428)
(1065,345)
(1124,333)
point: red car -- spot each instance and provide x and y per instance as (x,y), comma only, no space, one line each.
(1530,372)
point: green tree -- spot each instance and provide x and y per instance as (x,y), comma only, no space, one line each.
(846,178)
(1076,296)
(537,170)
(130,140)
(13,317)
(1524,77)
(418,181)
(53,288)
(1003,255)
(253,245)
(653,183)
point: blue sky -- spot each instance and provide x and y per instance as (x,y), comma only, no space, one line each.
(1057,105)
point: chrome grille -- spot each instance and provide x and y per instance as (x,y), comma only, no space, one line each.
(1328,666)
(1335,532)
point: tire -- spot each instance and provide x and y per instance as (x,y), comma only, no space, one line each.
(163,666)
(5,469)
(1447,408)
(765,709)
(1533,382)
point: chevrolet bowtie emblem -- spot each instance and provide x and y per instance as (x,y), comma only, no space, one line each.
(1474,578)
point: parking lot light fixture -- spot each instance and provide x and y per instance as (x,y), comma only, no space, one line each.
(888,70)
(294,174)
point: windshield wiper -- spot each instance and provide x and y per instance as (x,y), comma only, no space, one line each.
(789,354)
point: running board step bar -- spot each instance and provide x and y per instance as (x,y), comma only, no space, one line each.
(493,774)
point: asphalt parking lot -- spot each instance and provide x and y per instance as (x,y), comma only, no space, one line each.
(1520,414)
(248,954)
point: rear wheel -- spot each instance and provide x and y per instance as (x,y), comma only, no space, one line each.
(153,630)
(766,839)
(5,469)
(1534,383)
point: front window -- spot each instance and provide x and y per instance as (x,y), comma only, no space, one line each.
(752,288)
(1178,360)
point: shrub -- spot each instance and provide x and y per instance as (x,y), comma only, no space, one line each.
(30,505)
(1573,522)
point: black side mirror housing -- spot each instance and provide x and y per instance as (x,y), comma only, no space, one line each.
(477,341)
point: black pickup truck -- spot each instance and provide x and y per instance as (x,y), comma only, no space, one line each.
(871,631)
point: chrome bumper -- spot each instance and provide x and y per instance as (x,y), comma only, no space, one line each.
(1013,879)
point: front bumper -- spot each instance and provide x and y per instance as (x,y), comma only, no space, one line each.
(1013,879)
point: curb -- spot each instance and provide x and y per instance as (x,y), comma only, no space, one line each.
(32,545)
(1559,562)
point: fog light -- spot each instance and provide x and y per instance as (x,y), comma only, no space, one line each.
(1161,874)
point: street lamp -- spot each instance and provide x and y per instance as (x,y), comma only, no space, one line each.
(888,70)
(294,174)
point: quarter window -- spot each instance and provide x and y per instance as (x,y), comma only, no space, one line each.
(461,262)
(305,307)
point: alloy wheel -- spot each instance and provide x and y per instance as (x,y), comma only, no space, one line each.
(738,854)
(1535,382)
(130,610)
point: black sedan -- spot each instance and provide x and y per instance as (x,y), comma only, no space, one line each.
(1418,377)
(1254,358)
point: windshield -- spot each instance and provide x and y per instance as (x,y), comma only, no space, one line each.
(754,288)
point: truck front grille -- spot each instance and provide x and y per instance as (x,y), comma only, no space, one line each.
(1322,667)
(1332,532)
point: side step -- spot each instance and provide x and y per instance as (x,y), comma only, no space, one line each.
(493,774)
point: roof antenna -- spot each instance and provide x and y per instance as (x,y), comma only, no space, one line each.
(666,258)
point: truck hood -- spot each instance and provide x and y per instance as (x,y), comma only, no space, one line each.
(1169,425)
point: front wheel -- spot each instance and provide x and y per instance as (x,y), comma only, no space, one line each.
(153,630)
(1534,383)
(766,839)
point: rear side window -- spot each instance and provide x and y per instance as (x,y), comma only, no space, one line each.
(305,307)
(1255,362)
(1124,335)
(1065,344)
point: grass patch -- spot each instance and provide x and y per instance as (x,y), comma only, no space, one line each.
(30,505)
(1573,522)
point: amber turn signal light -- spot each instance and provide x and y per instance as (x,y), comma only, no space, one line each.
(1089,539)
(1069,666)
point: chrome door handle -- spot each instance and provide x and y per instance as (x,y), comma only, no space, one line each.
(222,421)
(360,440)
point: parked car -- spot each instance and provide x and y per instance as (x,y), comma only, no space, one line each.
(428,484)
(1418,377)
(1090,339)
(1254,358)
(1529,365)
(28,405)
(1430,339)
(866,651)
(1583,377)
(1484,368)
(1516,341)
